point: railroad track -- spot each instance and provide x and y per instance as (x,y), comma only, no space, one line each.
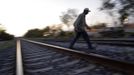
(36,58)
(123,53)
(46,59)
(116,42)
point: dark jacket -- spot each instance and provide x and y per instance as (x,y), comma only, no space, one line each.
(80,23)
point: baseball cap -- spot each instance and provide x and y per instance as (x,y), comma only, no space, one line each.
(86,9)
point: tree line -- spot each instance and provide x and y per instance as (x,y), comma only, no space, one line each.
(54,31)
(4,35)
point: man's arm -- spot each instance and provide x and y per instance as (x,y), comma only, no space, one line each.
(84,22)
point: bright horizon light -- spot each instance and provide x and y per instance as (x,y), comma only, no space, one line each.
(18,16)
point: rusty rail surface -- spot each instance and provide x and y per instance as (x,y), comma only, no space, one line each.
(91,57)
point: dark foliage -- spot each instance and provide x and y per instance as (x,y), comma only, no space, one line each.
(34,33)
(126,7)
(99,26)
(5,36)
(68,16)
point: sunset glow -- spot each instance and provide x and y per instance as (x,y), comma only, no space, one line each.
(18,16)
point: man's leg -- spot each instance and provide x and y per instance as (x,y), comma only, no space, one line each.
(86,38)
(75,39)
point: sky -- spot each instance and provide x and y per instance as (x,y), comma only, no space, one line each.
(18,16)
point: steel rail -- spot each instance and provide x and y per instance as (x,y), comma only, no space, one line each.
(114,43)
(105,39)
(19,63)
(129,43)
(95,58)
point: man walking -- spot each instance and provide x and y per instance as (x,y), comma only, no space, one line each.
(79,26)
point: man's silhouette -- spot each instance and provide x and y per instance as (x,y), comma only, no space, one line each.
(79,26)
